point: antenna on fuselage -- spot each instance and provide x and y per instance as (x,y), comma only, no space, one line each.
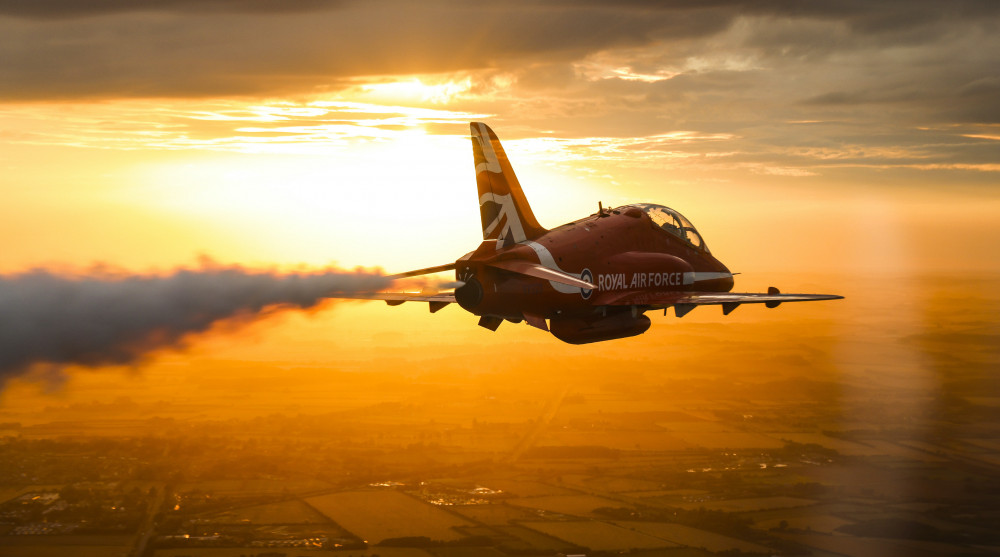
(600,209)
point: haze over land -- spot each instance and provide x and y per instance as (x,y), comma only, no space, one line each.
(835,147)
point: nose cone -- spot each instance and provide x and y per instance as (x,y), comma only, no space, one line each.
(715,278)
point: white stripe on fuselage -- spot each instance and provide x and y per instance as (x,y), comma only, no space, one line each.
(700,276)
(546,259)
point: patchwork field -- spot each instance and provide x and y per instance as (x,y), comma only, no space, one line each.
(840,445)
(284,512)
(599,536)
(9,492)
(699,426)
(576,505)
(223,488)
(377,515)
(877,547)
(57,546)
(532,539)
(729,440)
(693,537)
(495,514)
(667,495)
(63,550)
(611,484)
(526,488)
(751,504)
(817,523)
(288,552)
(619,440)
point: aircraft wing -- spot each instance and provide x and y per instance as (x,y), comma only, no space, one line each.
(684,302)
(436,300)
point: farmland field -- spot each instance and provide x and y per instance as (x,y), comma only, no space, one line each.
(62,550)
(288,552)
(56,546)
(599,536)
(534,540)
(222,488)
(495,514)
(612,484)
(817,523)
(8,492)
(284,512)
(685,535)
(668,494)
(694,426)
(729,440)
(750,504)
(875,547)
(377,515)
(577,505)
(626,441)
(840,445)
(467,552)
(526,488)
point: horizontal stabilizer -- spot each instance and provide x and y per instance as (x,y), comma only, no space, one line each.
(539,271)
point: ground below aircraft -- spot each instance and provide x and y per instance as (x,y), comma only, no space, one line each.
(586,281)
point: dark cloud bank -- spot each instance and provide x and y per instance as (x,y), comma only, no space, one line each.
(52,49)
(53,320)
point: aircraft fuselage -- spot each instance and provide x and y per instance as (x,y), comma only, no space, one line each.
(618,250)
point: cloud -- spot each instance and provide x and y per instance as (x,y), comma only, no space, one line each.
(67,9)
(873,72)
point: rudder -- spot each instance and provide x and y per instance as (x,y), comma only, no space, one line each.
(506,215)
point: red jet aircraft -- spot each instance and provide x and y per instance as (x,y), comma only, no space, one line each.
(586,281)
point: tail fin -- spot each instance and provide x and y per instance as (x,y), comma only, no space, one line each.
(507,217)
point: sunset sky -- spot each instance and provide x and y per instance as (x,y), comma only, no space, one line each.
(824,139)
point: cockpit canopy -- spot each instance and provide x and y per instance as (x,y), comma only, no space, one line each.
(674,223)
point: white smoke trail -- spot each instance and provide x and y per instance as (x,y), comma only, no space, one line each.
(52,319)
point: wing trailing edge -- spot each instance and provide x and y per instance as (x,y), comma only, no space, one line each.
(540,271)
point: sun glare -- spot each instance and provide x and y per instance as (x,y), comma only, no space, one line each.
(360,205)
(415,90)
